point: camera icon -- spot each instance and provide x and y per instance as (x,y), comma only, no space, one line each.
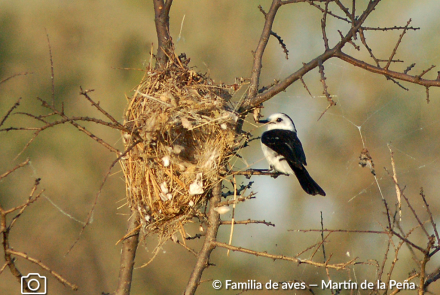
(33,283)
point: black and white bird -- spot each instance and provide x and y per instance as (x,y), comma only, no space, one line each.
(285,153)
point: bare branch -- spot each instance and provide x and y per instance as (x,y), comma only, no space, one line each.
(409,68)
(325,87)
(52,74)
(337,266)
(238,200)
(385,72)
(92,209)
(311,2)
(97,106)
(423,265)
(390,28)
(15,75)
(43,266)
(431,278)
(79,127)
(258,55)
(249,221)
(396,184)
(397,45)
(208,244)
(281,41)
(323,25)
(251,172)
(425,71)
(128,254)
(253,101)
(422,194)
(162,21)
(305,86)
(15,168)
(17,103)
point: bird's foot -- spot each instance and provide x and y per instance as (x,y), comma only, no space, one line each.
(274,173)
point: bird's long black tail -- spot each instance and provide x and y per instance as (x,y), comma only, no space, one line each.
(307,182)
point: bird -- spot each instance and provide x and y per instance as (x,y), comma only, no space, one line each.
(284,152)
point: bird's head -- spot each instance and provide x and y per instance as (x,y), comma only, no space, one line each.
(279,121)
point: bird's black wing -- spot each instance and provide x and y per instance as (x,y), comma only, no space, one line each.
(287,144)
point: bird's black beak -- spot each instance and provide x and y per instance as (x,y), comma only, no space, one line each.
(263,121)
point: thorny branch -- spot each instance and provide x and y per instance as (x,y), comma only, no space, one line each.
(337,266)
(208,244)
(249,221)
(254,98)
(5,230)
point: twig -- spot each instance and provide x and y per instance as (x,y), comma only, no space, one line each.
(233,210)
(396,184)
(350,42)
(305,86)
(235,201)
(425,260)
(186,247)
(337,266)
(409,68)
(3,267)
(323,25)
(98,107)
(401,194)
(249,221)
(79,127)
(15,168)
(95,202)
(425,71)
(281,41)
(16,104)
(43,266)
(52,74)
(387,73)
(427,94)
(397,45)
(431,278)
(328,12)
(390,28)
(15,75)
(341,231)
(370,51)
(325,87)
(322,237)
(422,194)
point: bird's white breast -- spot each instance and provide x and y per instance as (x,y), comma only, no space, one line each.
(276,160)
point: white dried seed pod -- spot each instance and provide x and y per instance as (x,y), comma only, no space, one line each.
(166,161)
(222,209)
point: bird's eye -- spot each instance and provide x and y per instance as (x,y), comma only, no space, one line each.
(279,120)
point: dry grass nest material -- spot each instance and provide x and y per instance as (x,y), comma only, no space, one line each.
(185,128)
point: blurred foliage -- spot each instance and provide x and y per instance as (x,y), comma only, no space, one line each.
(100,44)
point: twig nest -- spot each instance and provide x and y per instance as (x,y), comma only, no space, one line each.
(182,134)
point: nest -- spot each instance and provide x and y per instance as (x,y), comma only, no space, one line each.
(182,136)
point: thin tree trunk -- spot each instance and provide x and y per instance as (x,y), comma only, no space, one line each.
(208,245)
(128,254)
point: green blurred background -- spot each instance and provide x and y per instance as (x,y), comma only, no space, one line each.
(92,41)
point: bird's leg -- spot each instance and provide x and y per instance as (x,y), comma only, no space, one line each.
(274,173)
